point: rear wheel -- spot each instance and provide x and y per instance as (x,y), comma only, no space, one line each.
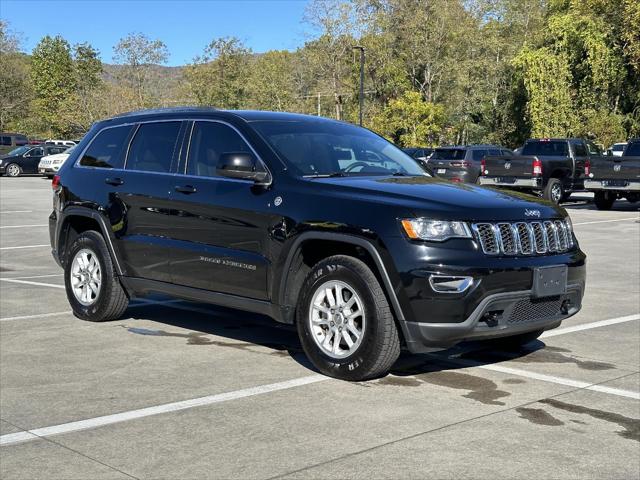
(553,191)
(604,200)
(344,321)
(13,170)
(93,289)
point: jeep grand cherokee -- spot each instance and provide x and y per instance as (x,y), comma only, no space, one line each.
(313,222)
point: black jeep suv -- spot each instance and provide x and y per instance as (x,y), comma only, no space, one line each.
(310,221)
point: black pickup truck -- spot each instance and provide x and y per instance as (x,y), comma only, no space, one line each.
(615,177)
(554,167)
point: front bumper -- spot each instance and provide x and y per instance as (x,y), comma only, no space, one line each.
(498,315)
(517,182)
(49,169)
(602,185)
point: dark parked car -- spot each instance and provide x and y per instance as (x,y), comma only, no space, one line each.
(313,222)
(462,163)
(9,141)
(25,159)
(420,155)
(614,177)
(553,167)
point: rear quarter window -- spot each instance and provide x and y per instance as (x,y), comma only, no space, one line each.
(478,155)
(107,148)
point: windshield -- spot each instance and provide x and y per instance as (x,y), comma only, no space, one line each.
(546,147)
(326,148)
(449,154)
(618,147)
(19,151)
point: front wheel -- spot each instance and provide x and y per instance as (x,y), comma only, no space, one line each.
(93,289)
(344,321)
(13,170)
(553,191)
(604,200)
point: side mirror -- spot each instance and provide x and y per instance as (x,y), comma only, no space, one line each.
(240,165)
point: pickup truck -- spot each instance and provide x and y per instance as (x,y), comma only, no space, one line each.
(615,177)
(553,167)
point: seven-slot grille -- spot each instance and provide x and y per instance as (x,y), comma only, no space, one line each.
(524,238)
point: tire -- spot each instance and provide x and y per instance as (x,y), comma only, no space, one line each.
(553,191)
(377,347)
(13,170)
(110,301)
(604,200)
(515,341)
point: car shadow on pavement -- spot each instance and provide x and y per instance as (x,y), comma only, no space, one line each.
(200,324)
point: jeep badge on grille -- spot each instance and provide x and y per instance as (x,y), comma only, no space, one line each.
(531,213)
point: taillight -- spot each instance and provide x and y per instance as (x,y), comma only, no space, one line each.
(587,167)
(456,179)
(483,167)
(55,183)
(537,166)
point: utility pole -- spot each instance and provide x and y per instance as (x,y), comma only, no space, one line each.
(361,96)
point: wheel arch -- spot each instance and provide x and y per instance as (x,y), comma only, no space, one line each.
(337,243)
(77,220)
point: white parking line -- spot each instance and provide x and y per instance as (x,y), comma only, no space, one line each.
(36,276)
(25,246)
(16,211)
(608,221)
(23,226)
(27,282)
(37,315)
(18,437)
(587,326)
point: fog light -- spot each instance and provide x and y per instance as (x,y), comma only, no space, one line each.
(565,307)
(450,284)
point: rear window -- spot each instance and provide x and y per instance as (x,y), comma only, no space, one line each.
(153,146)
(449,154)
(633,150)
(558,148)
(618,147)
(106,149)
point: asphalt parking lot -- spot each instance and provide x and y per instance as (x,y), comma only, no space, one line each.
(183,390)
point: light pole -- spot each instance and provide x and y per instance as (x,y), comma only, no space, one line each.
(361,96)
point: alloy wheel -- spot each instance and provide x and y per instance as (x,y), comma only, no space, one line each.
(86,277)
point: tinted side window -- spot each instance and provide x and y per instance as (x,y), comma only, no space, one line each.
(6,141)
(579,150)
(106,149)
(208,141)
(35,152)
(593,149)
(477,155)
(153,147)
(632,150)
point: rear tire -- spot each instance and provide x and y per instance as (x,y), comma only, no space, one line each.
(355,305)
(604,200)
(92,286)
(553,191)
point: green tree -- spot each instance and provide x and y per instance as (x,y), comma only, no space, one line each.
(410,121)
(15,90)
(219,77)
(53,80)
(271,83)
(137,53)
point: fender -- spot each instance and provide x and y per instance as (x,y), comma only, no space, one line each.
(345,238)
(75,211)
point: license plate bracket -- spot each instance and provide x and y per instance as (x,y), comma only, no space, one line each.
(550,281)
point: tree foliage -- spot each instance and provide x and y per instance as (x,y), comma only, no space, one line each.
(15,88)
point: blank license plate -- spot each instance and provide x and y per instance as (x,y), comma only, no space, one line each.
(549,281)
(441,171)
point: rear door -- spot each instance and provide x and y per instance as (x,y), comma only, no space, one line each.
(220,225)
(142,191)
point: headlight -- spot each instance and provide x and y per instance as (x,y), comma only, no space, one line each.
(569,224)
(435,230)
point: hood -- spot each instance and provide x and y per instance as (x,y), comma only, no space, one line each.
(444,199)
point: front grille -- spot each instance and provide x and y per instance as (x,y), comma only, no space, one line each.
(527,310)
(524,238)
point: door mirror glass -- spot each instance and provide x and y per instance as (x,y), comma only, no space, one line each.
(240,165)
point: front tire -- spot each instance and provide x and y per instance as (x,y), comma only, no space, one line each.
(344,321)
(92,286)
(13,170)
(554,191)
(604,200)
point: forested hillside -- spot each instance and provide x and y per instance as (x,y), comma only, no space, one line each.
(437,71)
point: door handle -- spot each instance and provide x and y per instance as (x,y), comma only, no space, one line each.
(114,181)
(187,189)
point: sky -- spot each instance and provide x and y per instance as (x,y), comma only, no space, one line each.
(186,27)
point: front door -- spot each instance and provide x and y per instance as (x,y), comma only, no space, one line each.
(32,159)
(220,225)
